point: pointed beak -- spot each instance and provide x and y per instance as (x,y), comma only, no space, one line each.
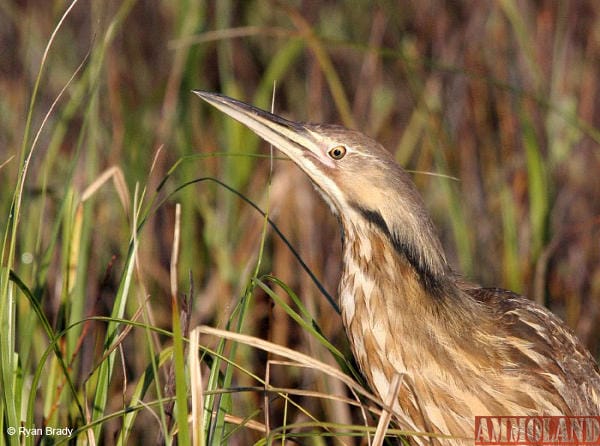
(292,138)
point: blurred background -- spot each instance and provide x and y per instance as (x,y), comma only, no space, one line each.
(494,108)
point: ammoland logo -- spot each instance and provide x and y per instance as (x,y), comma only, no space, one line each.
(538,431)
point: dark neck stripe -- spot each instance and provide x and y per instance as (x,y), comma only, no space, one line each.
(429,280)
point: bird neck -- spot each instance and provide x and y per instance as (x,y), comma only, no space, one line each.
(413,250)
(391,276)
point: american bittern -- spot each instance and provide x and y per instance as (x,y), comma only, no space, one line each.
(460,350)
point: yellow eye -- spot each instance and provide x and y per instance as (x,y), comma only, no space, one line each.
(337,152)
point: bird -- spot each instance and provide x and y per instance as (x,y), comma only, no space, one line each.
(455,350)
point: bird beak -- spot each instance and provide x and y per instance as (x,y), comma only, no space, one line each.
(290,137)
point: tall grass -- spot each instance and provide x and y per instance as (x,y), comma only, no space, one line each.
(152,286)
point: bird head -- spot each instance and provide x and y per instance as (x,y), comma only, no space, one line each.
(360,180)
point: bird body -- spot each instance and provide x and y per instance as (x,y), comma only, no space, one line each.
(458,350)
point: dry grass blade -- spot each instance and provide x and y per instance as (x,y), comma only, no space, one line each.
(300,358)
(309,393)
(386,415)
(196,389)
(175,251)
(115,174)
(8,160)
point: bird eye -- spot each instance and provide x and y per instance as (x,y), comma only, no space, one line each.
(337,152)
